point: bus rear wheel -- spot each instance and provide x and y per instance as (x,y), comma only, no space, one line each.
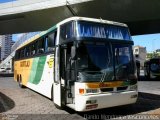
(20,82)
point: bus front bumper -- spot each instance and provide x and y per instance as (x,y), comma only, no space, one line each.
(99,101)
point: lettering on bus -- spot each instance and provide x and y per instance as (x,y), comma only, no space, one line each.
(25,64)
(50,62)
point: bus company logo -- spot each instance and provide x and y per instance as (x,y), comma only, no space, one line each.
(50,62)
(25,64)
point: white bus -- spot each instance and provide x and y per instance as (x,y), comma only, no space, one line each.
(82,63)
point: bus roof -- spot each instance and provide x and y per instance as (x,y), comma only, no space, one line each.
(67,20)
(92,20)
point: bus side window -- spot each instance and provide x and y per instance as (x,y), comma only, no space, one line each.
(30,49)
(41,46)
(51,41)
(17,55)
(22,53)
(33,52)
(36,47)
(67,30)
(27,51)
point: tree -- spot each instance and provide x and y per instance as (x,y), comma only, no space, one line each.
(149,55)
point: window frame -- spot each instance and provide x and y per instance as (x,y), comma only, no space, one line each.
(36,42)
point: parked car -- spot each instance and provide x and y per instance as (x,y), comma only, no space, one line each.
(6,72)
(2,69)
(152,68)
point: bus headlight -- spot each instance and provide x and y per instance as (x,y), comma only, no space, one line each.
(133,87)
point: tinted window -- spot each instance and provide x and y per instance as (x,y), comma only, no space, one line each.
(41,46)
(51,41)
(17,56)
(67,31)
(27,52)
(155,65)
(99,30)
(32,49)
(22,53)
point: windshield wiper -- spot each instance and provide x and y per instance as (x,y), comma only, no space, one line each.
(105,72)
(103,77)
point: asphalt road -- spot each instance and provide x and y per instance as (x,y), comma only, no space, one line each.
(17,103)
(149,85)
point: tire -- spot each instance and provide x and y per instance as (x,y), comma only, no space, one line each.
(58,107)
(52,93)
(18,78)
(20,82)
(149,75)
(145,74)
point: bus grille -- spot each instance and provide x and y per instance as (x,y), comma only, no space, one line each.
(122,88)
(106,89)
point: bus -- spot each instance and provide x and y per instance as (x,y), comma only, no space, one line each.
(152,68)
(81,63)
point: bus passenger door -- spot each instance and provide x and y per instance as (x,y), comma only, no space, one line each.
(57,81)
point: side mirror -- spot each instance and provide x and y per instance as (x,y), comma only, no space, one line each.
(73,52)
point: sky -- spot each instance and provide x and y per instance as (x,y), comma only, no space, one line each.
(150,41)
(15,37)
(3,1)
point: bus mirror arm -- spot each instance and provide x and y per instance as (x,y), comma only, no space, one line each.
(73,53)
(70,82)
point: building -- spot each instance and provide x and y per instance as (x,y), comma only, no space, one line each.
(6,44)
(22,38)
(140,54)
(1,44)
(0,54)
(1,37)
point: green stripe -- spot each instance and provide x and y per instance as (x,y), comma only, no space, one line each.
(37,69)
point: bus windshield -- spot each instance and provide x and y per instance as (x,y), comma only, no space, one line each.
(98,62)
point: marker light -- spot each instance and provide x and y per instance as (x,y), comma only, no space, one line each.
(81,91)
